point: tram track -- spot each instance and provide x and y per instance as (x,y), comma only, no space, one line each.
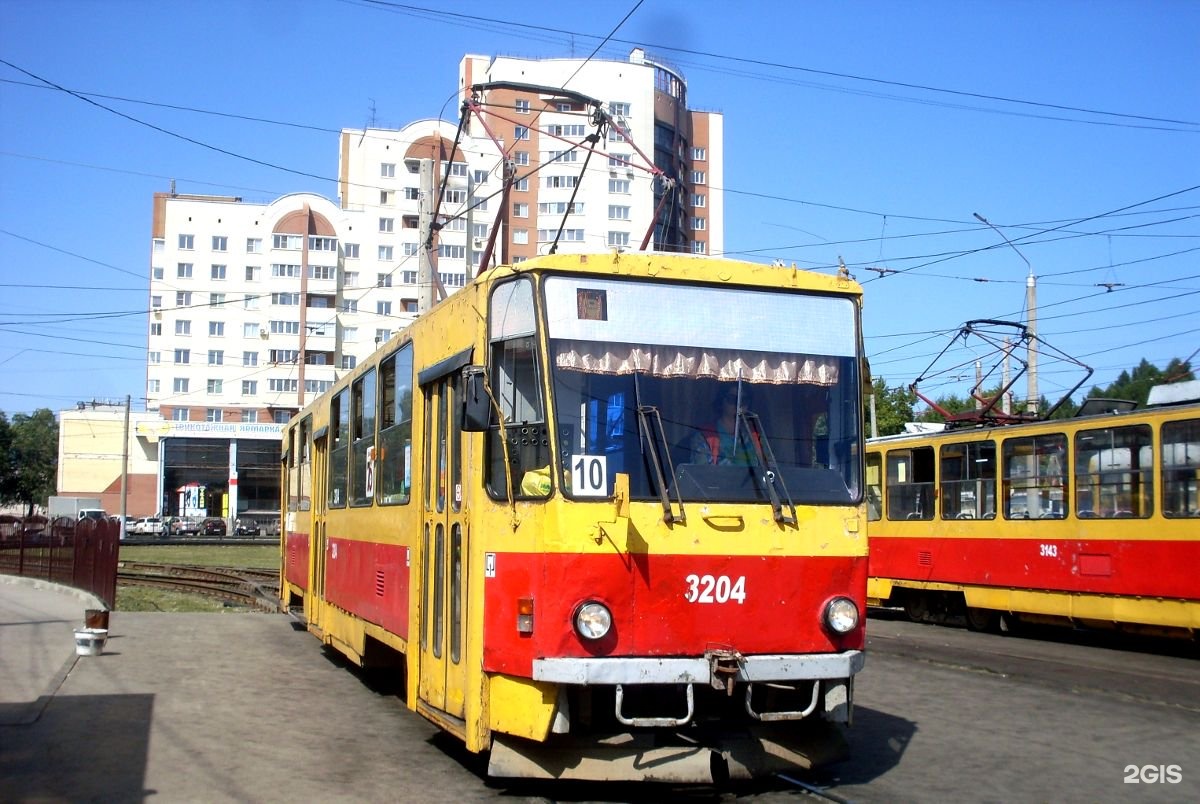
(240,586)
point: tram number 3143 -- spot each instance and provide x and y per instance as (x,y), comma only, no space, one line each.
(719,589)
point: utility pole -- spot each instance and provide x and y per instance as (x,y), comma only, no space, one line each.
(125,469)
(1031,402)
(425,240)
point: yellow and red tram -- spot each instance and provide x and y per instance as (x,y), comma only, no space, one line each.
(1093,521)
(514,496)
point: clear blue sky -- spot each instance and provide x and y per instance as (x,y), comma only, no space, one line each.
(865,131)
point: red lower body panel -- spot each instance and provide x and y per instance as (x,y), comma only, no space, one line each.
(295,567)
(1165,569)
(369,580)
(667,605)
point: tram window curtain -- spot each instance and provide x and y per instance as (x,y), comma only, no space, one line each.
(696,362)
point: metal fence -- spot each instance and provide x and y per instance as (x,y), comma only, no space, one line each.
(81,554)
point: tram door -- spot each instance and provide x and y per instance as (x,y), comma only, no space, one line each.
(443,551)
(314,600)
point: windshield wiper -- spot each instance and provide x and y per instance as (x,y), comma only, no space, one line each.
(764,456)
(651,437)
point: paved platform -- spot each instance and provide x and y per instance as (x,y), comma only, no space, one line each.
(201,707)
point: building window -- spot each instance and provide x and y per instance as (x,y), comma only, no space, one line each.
(619,186)
(220,243)
(699,200)
(381,335)
(158,272)
(386,197)
(620,160)
(156,301)
(218,272)
(520,184)
(214,415)
(179,415)
(619,108)
(349,361)
(408,305)
(180,385)
(214,386)
(521,133)
(350,279)
(282,416)
(522,106)
(253,273)
(409,249)
(183,298)
(387,170)
(152,387)
(254,245)
(249,387)
(250,416)
(250,329)
(385,253)
(286,299)
(520,210)
(350,305)
(387,224)
(184,270)
(480,176)
(617,212)
(154,358)
(285,327)
(452,252)
(699,224)
(618,238)
(187,242)
(216,299)
(698,177)
(567,235)
(156,329)
(159,245)
(383,280)
(216,329)
(183,327)
(216,357)
(555,182)
(350,250)
(521,158)
(183,356)
(408,277)
(699,247)
(249,358)
(412,194)
(349,334)
(615,135)
(520,237)
(383,308)
(699,154)
(292,242)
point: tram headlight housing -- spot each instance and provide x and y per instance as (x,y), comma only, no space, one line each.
(841,615)
(593,620)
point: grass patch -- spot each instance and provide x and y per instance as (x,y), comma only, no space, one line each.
(144,598)
(250,556)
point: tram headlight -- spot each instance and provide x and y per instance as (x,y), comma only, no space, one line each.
(593,620)
(841,615)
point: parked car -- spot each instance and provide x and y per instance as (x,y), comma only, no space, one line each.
(246,527)
(148,525)
(212,527)
(182,525)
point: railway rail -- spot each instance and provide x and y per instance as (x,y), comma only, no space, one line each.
(241,586)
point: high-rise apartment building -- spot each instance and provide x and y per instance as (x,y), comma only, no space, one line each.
(256,308)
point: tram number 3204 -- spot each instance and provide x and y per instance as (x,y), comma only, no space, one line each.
(719,589)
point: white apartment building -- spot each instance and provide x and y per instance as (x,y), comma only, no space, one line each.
(256,308)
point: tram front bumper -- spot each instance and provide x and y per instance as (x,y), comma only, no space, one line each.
(753,669)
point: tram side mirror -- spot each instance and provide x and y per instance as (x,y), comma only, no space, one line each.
(477,408)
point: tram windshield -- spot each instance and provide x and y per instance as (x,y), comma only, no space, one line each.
(704,394)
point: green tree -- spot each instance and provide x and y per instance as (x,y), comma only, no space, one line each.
(893,408)
(7,464)
(1135,385)
(34,459)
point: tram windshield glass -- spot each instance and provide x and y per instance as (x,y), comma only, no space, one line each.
(704,394)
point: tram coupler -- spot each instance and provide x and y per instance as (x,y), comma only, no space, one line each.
(723,667)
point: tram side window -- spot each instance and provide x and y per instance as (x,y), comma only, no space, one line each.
(304,446)
(1035,477)
(395,427)
(968,480)
(290,468)
(516,384)
(910,483)
(1181,468)
(339,451)
(362,460)
(1114,472)
(874,487)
